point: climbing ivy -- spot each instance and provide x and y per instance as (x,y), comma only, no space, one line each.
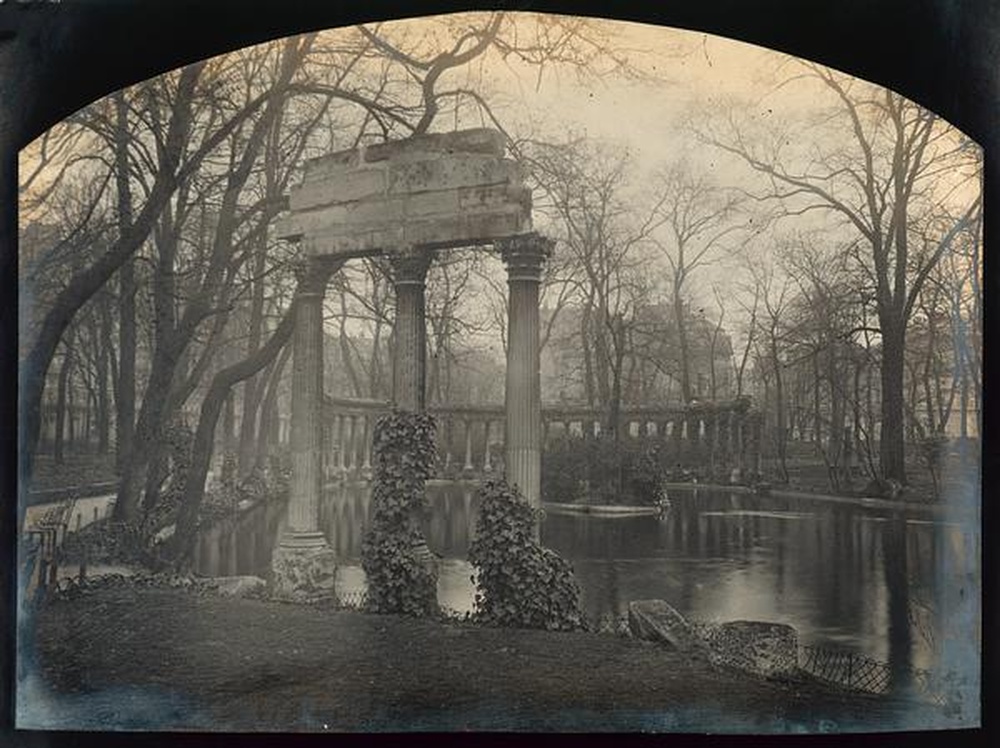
(520,583)
(404,452)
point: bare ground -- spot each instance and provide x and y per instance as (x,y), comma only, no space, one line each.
(170,659)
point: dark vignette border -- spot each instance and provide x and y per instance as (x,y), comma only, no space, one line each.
(57,55)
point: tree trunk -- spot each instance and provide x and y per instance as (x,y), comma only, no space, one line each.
(267,435)
(588,363)
(891,442)
(59,436)
(103,403)
(253,385)
(682,341)
(781,425)
(126,293)
(218,394)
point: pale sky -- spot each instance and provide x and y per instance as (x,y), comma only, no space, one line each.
(693,71)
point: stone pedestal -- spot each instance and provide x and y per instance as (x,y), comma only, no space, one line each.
(302,562)
(409,358)
(303,574)
(524,257)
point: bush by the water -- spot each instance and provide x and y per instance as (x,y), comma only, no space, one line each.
(398,580)
(577,469)
(520,583)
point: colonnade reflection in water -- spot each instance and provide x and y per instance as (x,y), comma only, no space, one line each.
(845,576)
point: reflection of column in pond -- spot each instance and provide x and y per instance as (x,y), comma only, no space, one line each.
(250,539)
(444,441)
(467,514)
(233,547)
(212,551)
(898,588)
(524,257)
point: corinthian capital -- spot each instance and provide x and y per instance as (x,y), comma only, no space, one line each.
(409,266)
(525,255)
(313,273)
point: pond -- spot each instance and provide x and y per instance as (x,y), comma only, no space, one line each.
(897,587)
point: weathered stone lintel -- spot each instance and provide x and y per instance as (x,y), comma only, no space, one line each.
(378,213)
(348,185)
(458,231)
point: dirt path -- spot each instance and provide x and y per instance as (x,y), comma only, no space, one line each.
(168,659)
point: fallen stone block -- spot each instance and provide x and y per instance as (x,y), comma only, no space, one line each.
(238,586)
(760,647)
(657,620)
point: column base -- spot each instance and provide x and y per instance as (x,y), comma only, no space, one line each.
(303,569)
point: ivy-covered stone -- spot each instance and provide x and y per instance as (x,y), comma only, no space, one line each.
(399,578)
(520,583)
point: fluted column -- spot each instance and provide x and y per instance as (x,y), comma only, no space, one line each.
(524,257)
(409,358)
(306,426)
(303,564)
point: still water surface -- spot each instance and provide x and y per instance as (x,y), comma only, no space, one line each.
(893,586)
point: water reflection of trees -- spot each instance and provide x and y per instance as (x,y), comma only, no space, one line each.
(869,580)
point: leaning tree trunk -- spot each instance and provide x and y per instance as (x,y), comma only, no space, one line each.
(267,434)
(211,408)
(59,436)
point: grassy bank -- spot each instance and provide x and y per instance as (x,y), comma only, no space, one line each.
(169,659)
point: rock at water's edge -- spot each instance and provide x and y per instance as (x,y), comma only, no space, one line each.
(768,649)
(657,620)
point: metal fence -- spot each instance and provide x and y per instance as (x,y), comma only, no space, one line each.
(847,669)
(861,673)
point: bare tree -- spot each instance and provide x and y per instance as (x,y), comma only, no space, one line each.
(886,184)
(698,217)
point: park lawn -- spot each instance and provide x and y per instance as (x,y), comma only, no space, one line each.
(172,659)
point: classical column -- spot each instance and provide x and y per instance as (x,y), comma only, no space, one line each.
(352,452)
(524,256)
(341,445)
(467,467)
(409,270)
(487,467)
(366,446)
(303,564)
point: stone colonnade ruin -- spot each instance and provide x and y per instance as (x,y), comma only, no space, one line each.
(404,200)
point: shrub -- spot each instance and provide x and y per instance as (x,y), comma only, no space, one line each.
(580,469)
(398,581)
(520,583)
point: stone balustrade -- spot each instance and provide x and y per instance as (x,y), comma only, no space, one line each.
(471,437)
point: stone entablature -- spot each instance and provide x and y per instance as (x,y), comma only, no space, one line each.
(432,191)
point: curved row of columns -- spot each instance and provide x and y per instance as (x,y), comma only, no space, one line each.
(304,564)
